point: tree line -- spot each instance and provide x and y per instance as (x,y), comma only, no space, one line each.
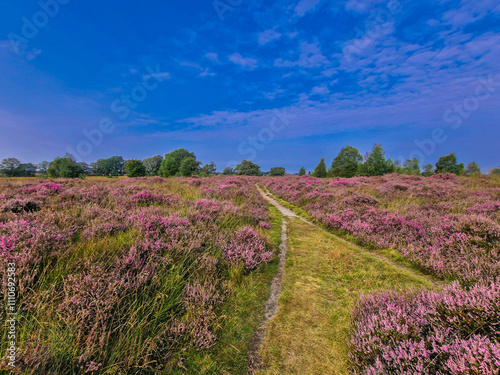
(350,163)
(180,162)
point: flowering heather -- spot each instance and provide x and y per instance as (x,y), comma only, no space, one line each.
(102,260)
(247,248)
(455,331)
(448,225)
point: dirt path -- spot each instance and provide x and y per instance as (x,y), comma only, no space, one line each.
(289,213)
(324,278)
(271,307)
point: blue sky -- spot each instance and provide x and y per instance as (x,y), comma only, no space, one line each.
(283,83)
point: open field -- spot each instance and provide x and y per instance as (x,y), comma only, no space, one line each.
(166,276)
(444,225)
(120,276)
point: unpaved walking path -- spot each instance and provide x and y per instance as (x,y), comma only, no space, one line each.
(289,213)
(271,307)
(324,277)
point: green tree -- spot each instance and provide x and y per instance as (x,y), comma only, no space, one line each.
(376,164)
(391,166)
(65,167)
(247,168)
(171,163)
(411,167)
(228,171)
(320,170)
(98,167)
(152,165)
(277,171)
(112,166)
(85,168)
(134,168)
(346,162)
(25,170)
(208,169)
(495,171)
(472,169)
(8,166)
(302,171)
(42,167)
(399,167)
(189,166)
(168,167)
(428,170)
(448,164)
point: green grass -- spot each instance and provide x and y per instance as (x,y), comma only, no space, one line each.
(324,278)
(388,253)
(243,312)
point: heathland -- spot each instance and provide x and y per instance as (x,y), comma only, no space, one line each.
(397,274)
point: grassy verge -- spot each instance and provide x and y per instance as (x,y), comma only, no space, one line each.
(324,278)
(242,313)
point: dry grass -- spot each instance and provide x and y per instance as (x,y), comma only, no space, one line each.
(324,278)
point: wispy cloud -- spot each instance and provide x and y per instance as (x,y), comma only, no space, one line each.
(268,36)
(305,6)
(212,56)
(244,62)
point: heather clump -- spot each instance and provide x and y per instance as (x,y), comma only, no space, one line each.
(31,246)
(128,266)
(445,224)
(454,331)
(247,248)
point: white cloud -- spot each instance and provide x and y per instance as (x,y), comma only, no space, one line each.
(362,6)
(305,6)
(310,57)
(244,62)
(160,75)
(206,73)
(320,90)
(212,56)
(268,36)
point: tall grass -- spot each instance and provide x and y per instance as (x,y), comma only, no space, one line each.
(129,276)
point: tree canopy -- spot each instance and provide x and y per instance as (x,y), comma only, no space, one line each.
(346,163)
(376,164)
(189,166)
(8,166)
(472,169)
(247,168)
(208,169)
(152,165)
(228,171)
(171,163)
(65,167)
(277,171)
(320,170)
(134,168)
(449,164)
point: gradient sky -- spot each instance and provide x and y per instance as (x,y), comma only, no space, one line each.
(283,83)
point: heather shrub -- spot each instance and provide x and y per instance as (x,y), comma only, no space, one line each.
(248,248)
(445,224)
(454,331)
(102,261)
